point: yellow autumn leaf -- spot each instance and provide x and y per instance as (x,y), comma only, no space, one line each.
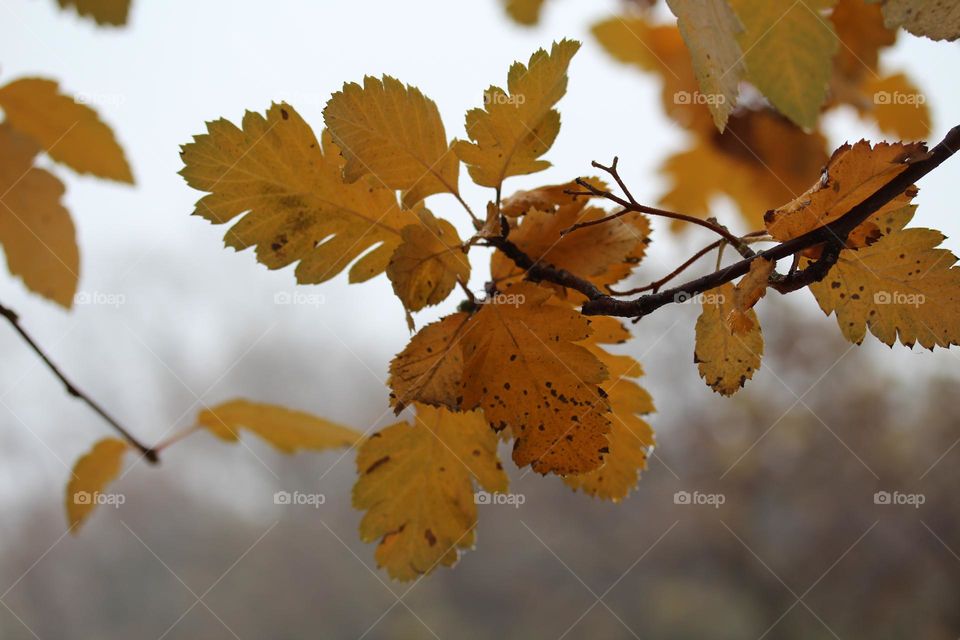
(516,127)
(901,287)
(90,476)
(658,49)
(286,429)
(430,367)
(747,293)
(631,438)
(36,231)
(710,30)
(546,199)
(861,32)
(297,205)
(105,12)
(417,485)
(394,133)
(603,253)
(788,48)
(897,106)
(428,263)
(853,173)
(935,19)
(726,360)
(522,367)
(70,132)
(525,12)
(760,161)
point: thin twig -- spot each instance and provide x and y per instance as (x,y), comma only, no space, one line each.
(176,437)
(753,236)
(630,205)
(656,284)
(149,453)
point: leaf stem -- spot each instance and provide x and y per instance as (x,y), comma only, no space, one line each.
(177,437)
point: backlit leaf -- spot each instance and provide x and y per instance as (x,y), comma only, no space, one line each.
(522,367)
(286,429)
(935,19)
(297,205)
(525,12)
(36,231)
(710,30)
(901,287)
(726,360)
(426,266)
(862,34)
(90,476)
(788,48)
(545,199)
(417,484)
(747,293)
(105,12)
(516,127)
(70,132)
(603,253)
(853,174)
(631,438)
(897,106)
(430,367)
(393,132)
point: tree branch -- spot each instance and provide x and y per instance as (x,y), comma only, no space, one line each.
(832,236)
(149,453)
(541,271)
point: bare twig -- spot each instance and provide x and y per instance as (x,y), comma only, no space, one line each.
(630,205)
(657,284)
(149,453)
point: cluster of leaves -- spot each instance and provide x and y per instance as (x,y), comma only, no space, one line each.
(36,231)
(525,363)
(803,59)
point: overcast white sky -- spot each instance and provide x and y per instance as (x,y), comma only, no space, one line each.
(192,308)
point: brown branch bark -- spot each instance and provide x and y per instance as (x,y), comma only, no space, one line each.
(149,453)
